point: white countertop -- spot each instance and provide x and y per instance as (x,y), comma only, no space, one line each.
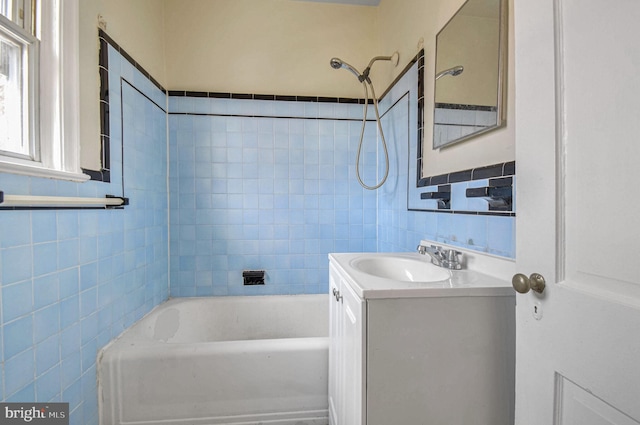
(462,283)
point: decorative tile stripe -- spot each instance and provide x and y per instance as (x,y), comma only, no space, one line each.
(104,174)
(495,170)
(465,107)
(277,97)
(421,91)
(456,212)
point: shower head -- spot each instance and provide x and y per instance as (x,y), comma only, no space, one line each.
(454,72)
(337,63)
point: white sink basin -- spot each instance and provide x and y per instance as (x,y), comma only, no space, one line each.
(401,269)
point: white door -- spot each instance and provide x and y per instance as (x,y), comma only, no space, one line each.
(578,166)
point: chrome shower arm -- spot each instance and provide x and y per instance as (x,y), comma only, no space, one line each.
(395,57)
(380,58)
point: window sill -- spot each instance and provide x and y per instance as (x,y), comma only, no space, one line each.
(39,171)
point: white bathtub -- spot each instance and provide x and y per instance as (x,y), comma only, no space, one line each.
(232,360)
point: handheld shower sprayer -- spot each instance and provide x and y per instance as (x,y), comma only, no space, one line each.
(363,77)
(337,63)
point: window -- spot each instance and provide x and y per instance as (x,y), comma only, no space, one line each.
(39,92)
(18,67)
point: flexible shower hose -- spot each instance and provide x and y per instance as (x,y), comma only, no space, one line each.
(384,142)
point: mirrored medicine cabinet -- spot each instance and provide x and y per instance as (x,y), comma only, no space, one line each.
(470,73)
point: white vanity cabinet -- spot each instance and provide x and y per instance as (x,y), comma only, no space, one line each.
(411,356)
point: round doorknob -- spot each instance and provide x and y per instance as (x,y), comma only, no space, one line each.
(522,283)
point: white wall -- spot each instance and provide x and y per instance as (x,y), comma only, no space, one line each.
(267,46)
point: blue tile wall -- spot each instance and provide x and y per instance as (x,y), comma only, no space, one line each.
(72,280)
(272,187)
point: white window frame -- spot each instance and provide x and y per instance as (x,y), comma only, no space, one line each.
(56,117)
(29,64)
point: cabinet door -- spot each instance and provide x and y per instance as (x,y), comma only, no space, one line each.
(353,378)
(441,360)
(335,348)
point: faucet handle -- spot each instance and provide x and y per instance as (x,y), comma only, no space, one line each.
(453,260)
(452,254)
(439,252)
(448,258)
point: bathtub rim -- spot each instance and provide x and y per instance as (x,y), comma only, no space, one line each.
(177,300)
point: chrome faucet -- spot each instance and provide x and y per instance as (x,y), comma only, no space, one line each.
(447,258)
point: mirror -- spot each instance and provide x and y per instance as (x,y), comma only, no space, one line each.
(469,95)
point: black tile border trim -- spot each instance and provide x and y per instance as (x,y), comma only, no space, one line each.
(101,176)
(420,133)
(503,169)
(485,213)
(271,97)
(465,107)
(285,117)
(104,174)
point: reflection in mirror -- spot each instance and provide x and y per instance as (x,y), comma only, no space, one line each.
(470,72)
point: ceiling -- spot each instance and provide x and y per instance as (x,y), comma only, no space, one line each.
(354,2)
